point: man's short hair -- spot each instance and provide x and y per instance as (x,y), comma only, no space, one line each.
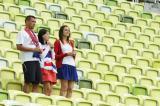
(29,17)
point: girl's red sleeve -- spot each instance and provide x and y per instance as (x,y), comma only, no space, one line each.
(58,51)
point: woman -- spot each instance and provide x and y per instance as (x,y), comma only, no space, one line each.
(65,61)
(48,69)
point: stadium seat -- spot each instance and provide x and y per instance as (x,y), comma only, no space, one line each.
(99,15)
(46,15)
(77,93)
(131,100)
(4,95)
(85,64)
(10,26)
(10,2)
(78,4)
(105,9)
(63,3)
(7,72)
(93,55)
(141,22)
(39,6)
(132,52)
(146,15)
(114,18)
(23,97)
(41,99)
(4,63)
(146,38)
(156,64)
(157,17)
(135,28)
(91,6)
(100,30)
(103,86)
(84,45)
(144,81)
(138,45)
(116,49)
(112,99)
(150,31)
(77,19)
(121,89)
(100,47)
(112,2)
(124,42)
(5,15)
(139,7)
(130,35)
(125,5)
(126,60)
(148,54)
(139,90)
(154,24)
(94,75)
(156,39)
(54,7)
(107,24)
(29,11)
(92,95)
(13,9)
(92,21)
(84,27)
(111,77)
(115,32)
(135,71)
(12,55)
(119,69)
(133,13)
(85,13)
(82,102)
(12,85)
(121,26)
(108,40)
(85,84)
(110,58)
(119,11)
(70,10)
(129,79)
(151,73)
(102,67)
(24,2)
(70,24)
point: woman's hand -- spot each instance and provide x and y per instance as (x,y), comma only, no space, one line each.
(50,44)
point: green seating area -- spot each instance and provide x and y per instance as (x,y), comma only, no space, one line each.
(117,45)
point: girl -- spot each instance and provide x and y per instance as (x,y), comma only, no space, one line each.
(48,69)
(65,61)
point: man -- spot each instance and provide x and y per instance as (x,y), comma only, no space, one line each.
(27,43)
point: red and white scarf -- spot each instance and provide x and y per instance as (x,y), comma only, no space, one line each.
(32,36)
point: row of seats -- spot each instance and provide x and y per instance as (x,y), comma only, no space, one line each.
(90,95)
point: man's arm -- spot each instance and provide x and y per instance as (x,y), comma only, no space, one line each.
(27,49)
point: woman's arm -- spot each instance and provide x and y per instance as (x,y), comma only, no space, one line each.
(57,48)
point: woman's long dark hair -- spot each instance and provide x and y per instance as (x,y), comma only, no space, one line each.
(61,33)
(40,35)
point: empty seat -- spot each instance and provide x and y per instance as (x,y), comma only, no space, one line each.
(102,67)
(85,84)
(139,90)
(103,86)
(119,69)
(111,77)
(100,47)
(39,6)
(146,15)
(7,72)
(121,89)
